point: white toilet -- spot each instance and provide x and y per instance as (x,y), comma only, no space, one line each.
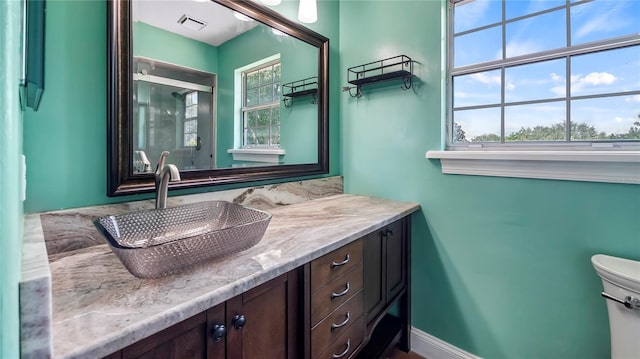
(621,282)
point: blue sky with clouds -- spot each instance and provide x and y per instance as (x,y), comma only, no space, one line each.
(591,74)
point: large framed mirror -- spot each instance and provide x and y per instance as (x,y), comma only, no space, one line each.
(232,90)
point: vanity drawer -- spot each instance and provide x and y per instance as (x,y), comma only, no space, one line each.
(336,323)
(331,296)
(332,265)
(345,344)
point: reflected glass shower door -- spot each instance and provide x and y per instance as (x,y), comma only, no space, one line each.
(177,119)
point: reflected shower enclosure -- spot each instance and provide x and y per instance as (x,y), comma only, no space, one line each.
(172,112)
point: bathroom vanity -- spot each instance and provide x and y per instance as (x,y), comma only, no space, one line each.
(320,284)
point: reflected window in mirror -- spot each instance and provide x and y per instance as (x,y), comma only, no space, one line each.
(261,105)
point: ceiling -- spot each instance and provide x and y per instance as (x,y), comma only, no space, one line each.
(221,24)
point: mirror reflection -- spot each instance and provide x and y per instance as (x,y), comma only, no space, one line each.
(208,87)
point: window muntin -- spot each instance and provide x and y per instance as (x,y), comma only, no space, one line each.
(514,88)
(261,106)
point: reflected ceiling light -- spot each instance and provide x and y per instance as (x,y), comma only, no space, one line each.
(241,17)
(308,11)
(271,2)
(277,32)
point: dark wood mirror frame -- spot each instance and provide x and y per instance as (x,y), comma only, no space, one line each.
(120,177)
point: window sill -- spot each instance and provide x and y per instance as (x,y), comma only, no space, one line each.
(591,166)
(268,155)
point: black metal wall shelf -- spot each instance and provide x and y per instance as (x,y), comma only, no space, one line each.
(304,87)
(397,67)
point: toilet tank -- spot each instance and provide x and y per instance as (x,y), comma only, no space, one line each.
(621,279)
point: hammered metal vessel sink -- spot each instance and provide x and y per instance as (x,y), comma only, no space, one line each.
(157,242)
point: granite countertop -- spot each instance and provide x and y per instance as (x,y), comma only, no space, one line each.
(98,307)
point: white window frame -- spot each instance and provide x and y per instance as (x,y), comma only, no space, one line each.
(275,104)
(598,161)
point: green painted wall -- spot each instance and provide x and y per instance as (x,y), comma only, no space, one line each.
(159,44)
(65,141)
(298,123)
(11,218)
(501,266)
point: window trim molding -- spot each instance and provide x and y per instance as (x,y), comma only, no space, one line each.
(590,166)
(257,154)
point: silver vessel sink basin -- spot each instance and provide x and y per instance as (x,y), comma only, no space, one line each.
(157,242)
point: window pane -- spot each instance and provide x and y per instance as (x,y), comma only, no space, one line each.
(191,111)
(252,97)
(266,94)
(525,7)
(476,14)
(276,73)
(251,119)
(543,80)
(478,47)
(537,122)
(266,75)
(262,136)
(191,98)
(606,118)
(252,137)
(606,72)
(275,135)
(276,92)
(481,88)
(190,139)
(191,126)
(604,19)
(252,80)
(275,116)
(476,125)
(538,33)
(264,117)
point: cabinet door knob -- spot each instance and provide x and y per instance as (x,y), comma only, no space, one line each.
(345,291)
(336,356)
(238,321)
(218,331)
(387,232)
(339,264)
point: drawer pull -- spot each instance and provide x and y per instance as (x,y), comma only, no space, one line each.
(340,264)
(336,356)
(345,291)
(335,326)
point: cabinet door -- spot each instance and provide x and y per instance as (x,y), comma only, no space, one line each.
(187,339)
(263,322)
(374,270)
(216,332)
(394,240)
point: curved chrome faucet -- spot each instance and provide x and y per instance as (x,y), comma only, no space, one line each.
(164,174)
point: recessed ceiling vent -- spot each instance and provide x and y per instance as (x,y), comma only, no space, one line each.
(192,23)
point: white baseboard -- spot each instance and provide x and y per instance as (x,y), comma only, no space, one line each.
(431,347)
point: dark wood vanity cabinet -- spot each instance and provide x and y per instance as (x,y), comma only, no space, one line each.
(260,323)
(352,291)
(263,322)
(386,283)
(336,306)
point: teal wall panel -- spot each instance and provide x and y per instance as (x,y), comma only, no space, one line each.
(65,140)
(501,266)
(11,217)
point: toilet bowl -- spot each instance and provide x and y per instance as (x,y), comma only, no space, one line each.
(621,283)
